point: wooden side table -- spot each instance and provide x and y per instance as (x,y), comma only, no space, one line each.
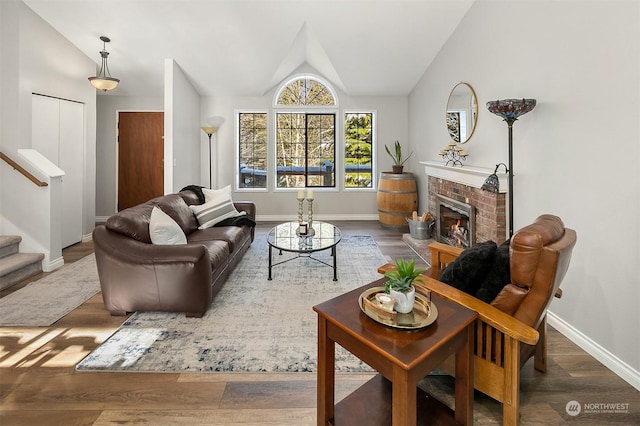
(402,357)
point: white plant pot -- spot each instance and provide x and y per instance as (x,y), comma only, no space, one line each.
(404,301)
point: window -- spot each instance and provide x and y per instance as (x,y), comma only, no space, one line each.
(305,141)
(358,150)
(252,155)
(305,91)
(305,150)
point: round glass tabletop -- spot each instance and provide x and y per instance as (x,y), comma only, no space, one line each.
(284,237)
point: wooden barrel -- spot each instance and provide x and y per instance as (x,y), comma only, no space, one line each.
(397,199)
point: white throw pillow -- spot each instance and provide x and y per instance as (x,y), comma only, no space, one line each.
(218,206)
(216,194)
(164,230)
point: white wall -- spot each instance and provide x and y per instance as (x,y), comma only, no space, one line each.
(108,107)
(181,129)
(576,154)
(37,59)
(392,124)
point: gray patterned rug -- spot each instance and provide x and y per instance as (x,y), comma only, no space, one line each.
(253,325)
(43,302)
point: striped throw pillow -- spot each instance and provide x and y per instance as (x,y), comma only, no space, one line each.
(218,207)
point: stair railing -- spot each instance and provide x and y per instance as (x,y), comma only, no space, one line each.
(22,170)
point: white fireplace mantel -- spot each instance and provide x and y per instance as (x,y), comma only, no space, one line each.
(471,176)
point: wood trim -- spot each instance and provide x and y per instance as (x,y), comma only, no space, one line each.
(22,170)
(494,317)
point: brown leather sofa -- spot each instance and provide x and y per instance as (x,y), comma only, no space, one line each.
(136,275)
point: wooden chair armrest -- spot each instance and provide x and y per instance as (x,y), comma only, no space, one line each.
(446,248)
(491,315)
(441,256)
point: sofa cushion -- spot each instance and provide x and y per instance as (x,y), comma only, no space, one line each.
(218,206)
(163,230)
(175,206)
(218,252)
(133,222)
(470,268)
(234,236)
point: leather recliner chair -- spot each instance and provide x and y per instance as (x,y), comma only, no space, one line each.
(512,328)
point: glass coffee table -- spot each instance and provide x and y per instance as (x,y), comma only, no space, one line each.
(285,238)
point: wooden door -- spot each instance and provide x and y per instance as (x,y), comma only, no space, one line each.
(140,157)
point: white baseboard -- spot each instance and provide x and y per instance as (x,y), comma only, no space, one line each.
(101,220)
(87,237)
(325,218)
(612,362)
(53,264)
(285,218)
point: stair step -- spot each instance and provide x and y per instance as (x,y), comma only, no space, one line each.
(19,266)
(9,245)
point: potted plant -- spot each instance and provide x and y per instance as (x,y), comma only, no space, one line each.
(400,284)
(396,155)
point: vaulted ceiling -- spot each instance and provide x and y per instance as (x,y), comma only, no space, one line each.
(244,48)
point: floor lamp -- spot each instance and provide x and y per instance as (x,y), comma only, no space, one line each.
(209,130)
(509,110)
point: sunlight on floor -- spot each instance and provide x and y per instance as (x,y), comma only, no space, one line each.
(48,347)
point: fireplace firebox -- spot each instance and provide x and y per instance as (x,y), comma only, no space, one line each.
(455,222)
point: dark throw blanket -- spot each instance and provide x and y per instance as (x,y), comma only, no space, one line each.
(237,221)
(197,189)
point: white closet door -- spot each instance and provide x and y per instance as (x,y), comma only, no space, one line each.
(57,128)
(71,155)
(45,126)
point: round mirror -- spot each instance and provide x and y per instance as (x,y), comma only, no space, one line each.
(462,112)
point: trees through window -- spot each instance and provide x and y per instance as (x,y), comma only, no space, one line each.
(305,150)
(305,141)
(252,149)
(358,150)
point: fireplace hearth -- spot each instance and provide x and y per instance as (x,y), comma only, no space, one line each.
(455,222)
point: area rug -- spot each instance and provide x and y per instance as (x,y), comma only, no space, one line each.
(43,302)
(253,325)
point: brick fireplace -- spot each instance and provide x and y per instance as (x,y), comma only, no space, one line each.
(463,184)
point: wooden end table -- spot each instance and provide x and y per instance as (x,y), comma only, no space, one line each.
(402,357)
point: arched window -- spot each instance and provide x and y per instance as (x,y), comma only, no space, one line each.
(305,138)
(305,91)
(306,128)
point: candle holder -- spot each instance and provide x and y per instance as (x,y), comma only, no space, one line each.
(305,229)
(310,230)
(454,154)
(300,218)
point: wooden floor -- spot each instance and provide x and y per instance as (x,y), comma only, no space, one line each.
(39,385)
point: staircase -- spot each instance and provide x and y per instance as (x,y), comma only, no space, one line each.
(16,266)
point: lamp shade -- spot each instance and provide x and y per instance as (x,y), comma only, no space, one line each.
(492,183)
(511,109)
(209,130)
(104,83)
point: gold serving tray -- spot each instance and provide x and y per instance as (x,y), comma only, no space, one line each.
(424,312)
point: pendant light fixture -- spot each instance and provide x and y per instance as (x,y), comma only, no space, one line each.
(103,81)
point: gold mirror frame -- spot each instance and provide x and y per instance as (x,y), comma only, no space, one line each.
(461,115)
